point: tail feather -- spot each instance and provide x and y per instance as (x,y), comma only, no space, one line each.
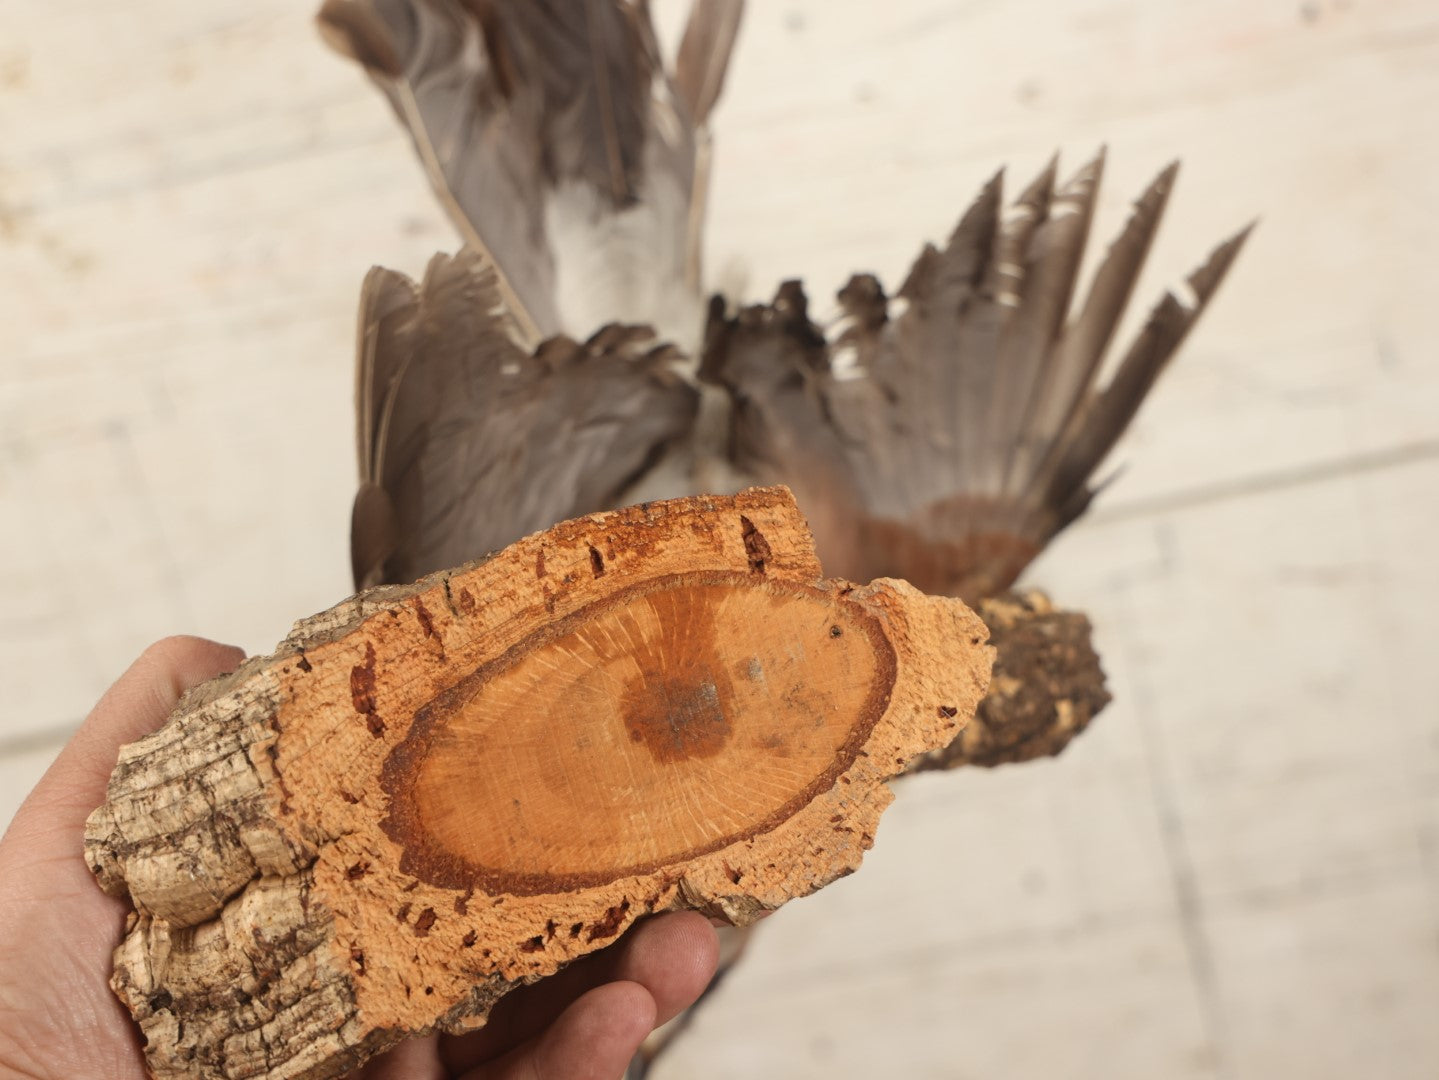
(1008,277)
(946,435)
(946,298)
(1029,359)
(1085,341)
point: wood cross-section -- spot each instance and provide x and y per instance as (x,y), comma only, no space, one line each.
(661,723)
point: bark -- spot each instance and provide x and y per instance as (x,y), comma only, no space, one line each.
(432,794)
(1046,688)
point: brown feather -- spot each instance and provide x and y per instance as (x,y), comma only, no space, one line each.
(469,442)
(1028,355)
(947,439)
(386,302)
(354,30)
(704,54)
(589,68)
(1104,421)
(556,143)
(1076,360)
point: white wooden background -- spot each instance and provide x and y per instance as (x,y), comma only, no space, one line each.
(1235,874)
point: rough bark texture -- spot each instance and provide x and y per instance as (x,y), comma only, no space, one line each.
(434,793)
(1047,685)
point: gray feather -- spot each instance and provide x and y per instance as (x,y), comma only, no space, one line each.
(947,438)
(469,441)
(557,144)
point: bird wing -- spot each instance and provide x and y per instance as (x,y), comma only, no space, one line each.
(469,441)
(558,144)
(946,434)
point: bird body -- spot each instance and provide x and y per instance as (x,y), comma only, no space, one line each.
(943,434)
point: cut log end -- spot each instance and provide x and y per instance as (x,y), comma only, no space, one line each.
(744,697)
(433,794)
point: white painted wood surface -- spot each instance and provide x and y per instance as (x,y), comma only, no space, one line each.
(1235,874)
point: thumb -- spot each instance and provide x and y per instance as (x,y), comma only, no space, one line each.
(139,702)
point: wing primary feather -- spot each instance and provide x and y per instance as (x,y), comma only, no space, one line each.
(1084,343)
(1009,281)
(704,54)
(372,535)
(1028,355)
(387,304)
(699,73)
(357,30)
(895,428)
(1101,424)
(528,329)
(354,30)
(605,102)
(385,299)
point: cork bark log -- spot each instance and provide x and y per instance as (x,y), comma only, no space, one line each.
(1046,688)
(432,794)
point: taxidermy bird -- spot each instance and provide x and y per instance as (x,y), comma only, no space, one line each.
(575,166)
(564,361)
(943,434)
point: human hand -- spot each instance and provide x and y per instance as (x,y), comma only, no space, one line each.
(59,1021)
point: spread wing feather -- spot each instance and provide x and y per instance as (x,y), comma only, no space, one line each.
(558,144)
(946,434)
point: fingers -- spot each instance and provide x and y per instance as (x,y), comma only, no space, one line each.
(593,1039)
(138,703)
(671,956)
(417,1059)
(674,959)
